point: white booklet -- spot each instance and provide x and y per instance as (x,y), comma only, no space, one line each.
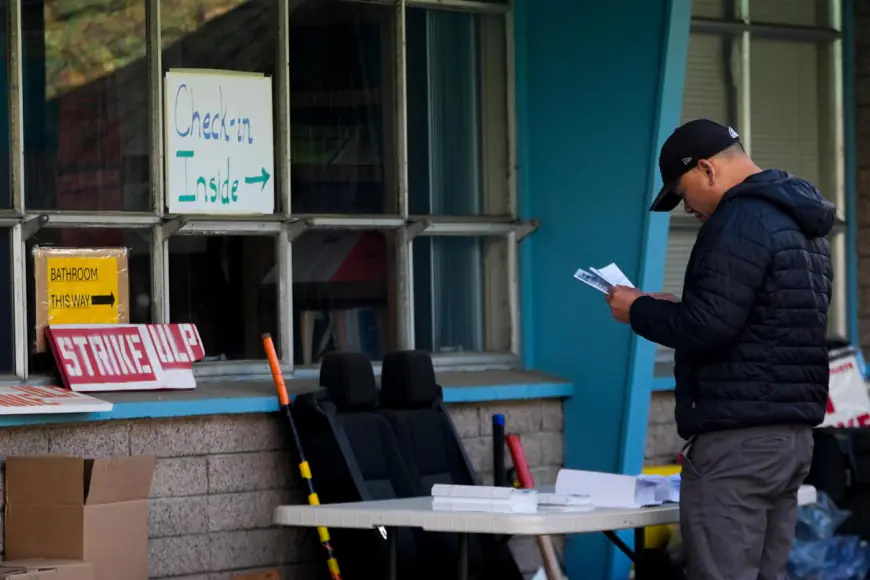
(610,490)
(603,279)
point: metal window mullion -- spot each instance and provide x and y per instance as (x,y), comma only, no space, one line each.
(744,107)
(19,301)
(61,219)
(154,55)
(159,276)
(354,222)
(15,105)
(230,228)
(282,78)
(510,86)
(514,292)
(404,255)
(284,246)
(462,6)
(284,264)
(772,31)
(15,110)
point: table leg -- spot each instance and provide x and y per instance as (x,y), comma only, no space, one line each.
(393,558)
(639,545)
(463,557)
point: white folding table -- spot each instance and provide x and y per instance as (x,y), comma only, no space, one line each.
(417,512)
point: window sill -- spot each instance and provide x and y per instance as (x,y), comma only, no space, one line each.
(258,396)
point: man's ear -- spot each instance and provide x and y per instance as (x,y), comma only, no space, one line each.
(707,168)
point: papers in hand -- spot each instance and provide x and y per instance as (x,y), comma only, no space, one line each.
(603,279)
(609,490)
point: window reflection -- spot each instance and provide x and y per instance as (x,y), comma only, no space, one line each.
(341,108)
(85,105)
(223,285)
(342,297)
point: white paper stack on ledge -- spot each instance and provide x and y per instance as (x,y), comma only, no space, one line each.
(484,498)
(603,279)
(609,490)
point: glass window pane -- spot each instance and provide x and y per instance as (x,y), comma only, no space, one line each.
(706,91)
(791,12)
(85,106)
(457,158)
(343,298)
(709,9)
(461,294)
(6,325)
(5,194)
(342,108)
(794,115)
(138,244)
(227,286)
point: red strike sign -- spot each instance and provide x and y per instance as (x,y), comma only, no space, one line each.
(848,402)
(126,357)
(29,400)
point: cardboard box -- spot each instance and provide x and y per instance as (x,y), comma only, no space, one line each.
(95,510)
(46,569)
(263,575)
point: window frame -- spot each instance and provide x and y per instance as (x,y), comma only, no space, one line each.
(828,34)
(283,225)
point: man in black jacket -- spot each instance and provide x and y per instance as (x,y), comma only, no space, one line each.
(749,335)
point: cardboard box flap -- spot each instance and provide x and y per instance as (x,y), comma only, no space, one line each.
(120,479)
(45,480)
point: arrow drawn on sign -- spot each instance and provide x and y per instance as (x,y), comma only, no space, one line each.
(262,178)
(103,299)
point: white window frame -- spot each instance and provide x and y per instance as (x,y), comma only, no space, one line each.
(743,30)
(283,225)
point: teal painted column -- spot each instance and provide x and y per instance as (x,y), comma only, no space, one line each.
(641,379)
(598,86)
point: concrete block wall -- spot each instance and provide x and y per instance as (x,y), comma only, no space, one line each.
(662,441)
(862,157)
(218,479)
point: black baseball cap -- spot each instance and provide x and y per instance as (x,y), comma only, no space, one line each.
(688,144)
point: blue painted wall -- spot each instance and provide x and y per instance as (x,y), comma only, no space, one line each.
(594,96)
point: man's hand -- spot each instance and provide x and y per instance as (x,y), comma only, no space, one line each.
(620,299)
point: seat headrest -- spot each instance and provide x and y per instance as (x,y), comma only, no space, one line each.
(350,380)
(408,380)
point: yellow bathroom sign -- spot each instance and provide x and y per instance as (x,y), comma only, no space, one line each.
(80,286)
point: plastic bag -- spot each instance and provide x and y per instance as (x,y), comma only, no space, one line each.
(819,521)
(817,554)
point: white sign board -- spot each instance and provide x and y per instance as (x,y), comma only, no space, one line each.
(848,402)
(29,400)
(218,143)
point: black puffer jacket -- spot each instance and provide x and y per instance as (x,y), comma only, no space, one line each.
(749,334)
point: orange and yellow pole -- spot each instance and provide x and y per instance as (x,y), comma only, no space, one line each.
(304,468)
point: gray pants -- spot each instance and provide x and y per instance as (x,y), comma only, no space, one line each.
(738,501)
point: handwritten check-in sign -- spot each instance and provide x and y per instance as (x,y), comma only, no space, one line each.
(219,148)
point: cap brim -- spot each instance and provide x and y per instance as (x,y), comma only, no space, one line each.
(666,200)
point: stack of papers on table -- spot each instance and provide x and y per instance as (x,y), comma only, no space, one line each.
(484,498)
(504,500)
(556,502)
(609,490)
